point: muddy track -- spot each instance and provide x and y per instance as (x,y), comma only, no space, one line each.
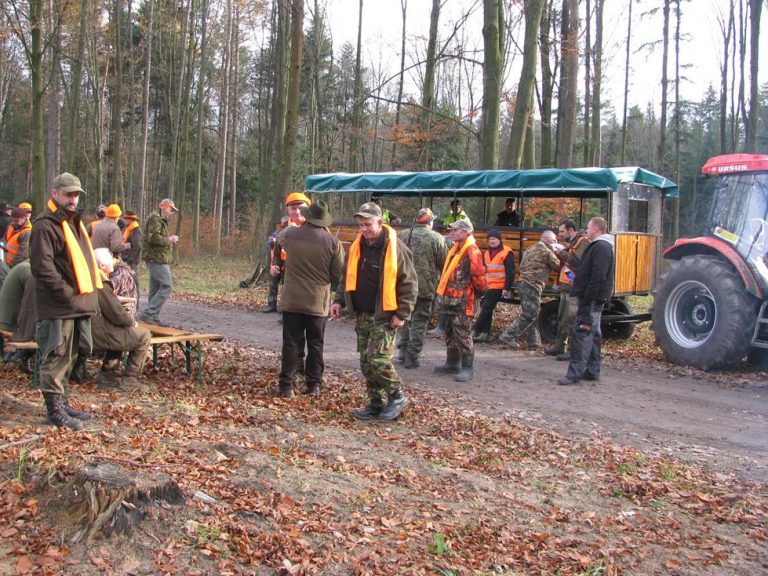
(696,419)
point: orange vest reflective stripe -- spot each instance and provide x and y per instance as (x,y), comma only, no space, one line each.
(389,273)
(128,229)
(12,242)
(495,273)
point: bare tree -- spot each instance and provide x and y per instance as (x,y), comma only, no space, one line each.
(662,144)
(750,122)
(493,69)
(566,109)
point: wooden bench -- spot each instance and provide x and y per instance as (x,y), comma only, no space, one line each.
(160,335)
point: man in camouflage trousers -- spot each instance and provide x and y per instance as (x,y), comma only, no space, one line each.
(429,250)
(538,261)
(380,286)
(461,283)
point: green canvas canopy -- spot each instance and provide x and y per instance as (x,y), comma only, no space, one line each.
(544,182)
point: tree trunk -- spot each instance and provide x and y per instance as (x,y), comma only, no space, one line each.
(547,86)
(294,84)
(221,165)
(493,71)
(750,125)
(622,157)
(566,109)
(116,146)
(596,138)
(396,129)
(279,108)
(428,91)
(519,134)
(587,150)
(725,29)
(661,164)
(234,97)
(355,141)
(140,203)
(201,106)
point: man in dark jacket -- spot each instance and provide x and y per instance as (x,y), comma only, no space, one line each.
(592,286)
(380,285)
(66,281)
(314,260)
(157,255)
(508,216)
(132,240)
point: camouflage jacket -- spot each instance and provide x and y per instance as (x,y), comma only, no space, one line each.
(538,262)
(156,247)
(429,250)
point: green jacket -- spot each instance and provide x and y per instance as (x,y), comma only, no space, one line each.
(429,250)
(155,246)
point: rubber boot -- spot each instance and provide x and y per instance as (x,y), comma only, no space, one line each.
(411,361)
(401,355)
(396,404)
(370,412)
(71,411)
(57,415)
(271,306)
(467,368)
(452,362)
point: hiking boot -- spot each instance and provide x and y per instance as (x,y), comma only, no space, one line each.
(57,415)
(564,357)
(370,412)
(106,379)
(467,368)
(565,381)
(271,307)
(452,363)
(401,355)
(554,351)
(395,406)
(72,411)
(313,390)
(411,362)
(437,332)
(509,341)
(481,338)
(285,392)
(590,377)
(79,371)
(129,383)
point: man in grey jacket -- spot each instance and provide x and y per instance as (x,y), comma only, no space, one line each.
(314,260)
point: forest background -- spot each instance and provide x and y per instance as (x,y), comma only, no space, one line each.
(226,105)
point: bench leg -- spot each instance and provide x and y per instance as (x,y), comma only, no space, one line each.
(188,357)
(154,355)
(36,371)
(199,361)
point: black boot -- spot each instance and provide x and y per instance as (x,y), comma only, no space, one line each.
(72,411)
(401,355)
(21,359)
(271,307)
(452,363)
(57,415)
(79,370)
(467,368)
(411,361)
(370,412)
(397,403)
(555,350)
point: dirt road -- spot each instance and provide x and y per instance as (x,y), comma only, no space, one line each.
(660,410)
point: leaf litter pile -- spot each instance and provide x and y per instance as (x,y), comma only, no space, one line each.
(275,486)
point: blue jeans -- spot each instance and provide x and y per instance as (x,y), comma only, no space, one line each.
(585,343)
(160,285)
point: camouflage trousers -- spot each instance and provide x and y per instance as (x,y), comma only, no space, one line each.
(411,336)
(274,287)
(530,302)
(375,343)
(566,318)
(458,333)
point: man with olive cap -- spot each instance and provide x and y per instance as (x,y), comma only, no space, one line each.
(314,260)
(380,285)
(66,283)
(429,249)
(157,255)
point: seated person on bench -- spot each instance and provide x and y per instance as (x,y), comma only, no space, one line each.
(17,312)
(115,331)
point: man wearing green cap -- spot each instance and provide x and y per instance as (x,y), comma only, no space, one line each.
(157,255)
(66,281)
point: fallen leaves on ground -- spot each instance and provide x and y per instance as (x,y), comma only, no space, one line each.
(300,487)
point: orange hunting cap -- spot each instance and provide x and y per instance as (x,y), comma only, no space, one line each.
(26,206)
(113,211)
(297,198)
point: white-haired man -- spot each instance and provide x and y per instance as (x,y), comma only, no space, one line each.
(538,261)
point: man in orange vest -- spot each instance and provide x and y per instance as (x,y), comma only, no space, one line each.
(380,285)
(462,281)
(499,262)
(66,281)
(17,238)
(132,240)
(293,204)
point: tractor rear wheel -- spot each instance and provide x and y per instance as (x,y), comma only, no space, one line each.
(702,314)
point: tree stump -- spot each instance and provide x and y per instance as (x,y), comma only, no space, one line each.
(105,498)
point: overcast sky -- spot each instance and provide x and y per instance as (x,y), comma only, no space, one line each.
(701,50)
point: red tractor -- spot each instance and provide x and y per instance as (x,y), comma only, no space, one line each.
(710,308)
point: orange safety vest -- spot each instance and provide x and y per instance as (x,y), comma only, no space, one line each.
(455,254)
(128,229)
(389,276)
(495,273)
(83,278)
(12,241)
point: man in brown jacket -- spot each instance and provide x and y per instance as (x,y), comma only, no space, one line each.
(66,281)
(314,260)
(107,234)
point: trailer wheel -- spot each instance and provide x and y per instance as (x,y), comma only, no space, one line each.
(547,321)
(702,315)
(617,330)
